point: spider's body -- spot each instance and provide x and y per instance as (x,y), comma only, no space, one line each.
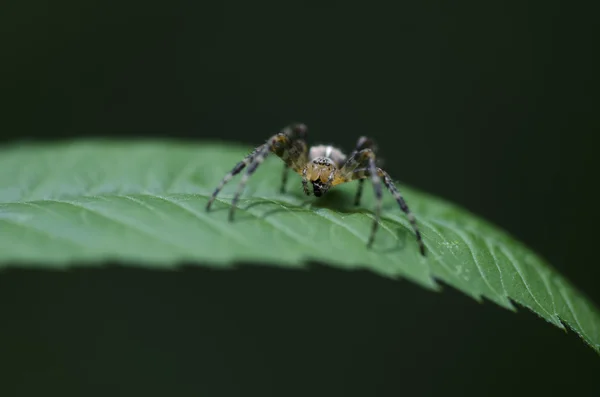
(324,167)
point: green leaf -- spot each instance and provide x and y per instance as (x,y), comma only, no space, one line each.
(143,203)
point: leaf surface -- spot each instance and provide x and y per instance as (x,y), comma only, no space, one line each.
(143,203)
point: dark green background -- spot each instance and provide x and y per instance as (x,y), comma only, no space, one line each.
(492,105)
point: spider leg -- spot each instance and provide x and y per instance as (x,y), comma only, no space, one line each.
(260,157)
(294,153)
(362,143)
(284,177)
(236,170)
(376,180)
(362,165)
(403,206)
(305,181)
(288,144)
(359,192)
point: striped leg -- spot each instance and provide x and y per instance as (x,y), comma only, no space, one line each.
(362,143)
(284,177)
(288,145)
(261,155)
(362,165)
(293,153)
(376,180)
(411,218)
(359,190)
(236,170)
(305,182)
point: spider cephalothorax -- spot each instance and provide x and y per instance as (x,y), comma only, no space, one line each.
(324,167)
(321,167)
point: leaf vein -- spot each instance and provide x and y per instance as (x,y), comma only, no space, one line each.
(497,264)
(570,306)
(45,233)
(515,265)
(207,220)
(469,245)
(136,228)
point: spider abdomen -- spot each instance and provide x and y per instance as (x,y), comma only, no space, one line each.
(334,155)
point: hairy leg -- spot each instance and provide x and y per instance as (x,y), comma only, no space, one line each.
(403,206)
(361,166)
(372,170)
(284,177)
(288,145)
(305,181)
(236,170)
(362,143)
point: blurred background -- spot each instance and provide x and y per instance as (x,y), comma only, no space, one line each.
(492,105)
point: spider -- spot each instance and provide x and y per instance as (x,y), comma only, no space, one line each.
(324,167)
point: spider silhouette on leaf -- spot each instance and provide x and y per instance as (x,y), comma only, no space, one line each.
(323,167)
